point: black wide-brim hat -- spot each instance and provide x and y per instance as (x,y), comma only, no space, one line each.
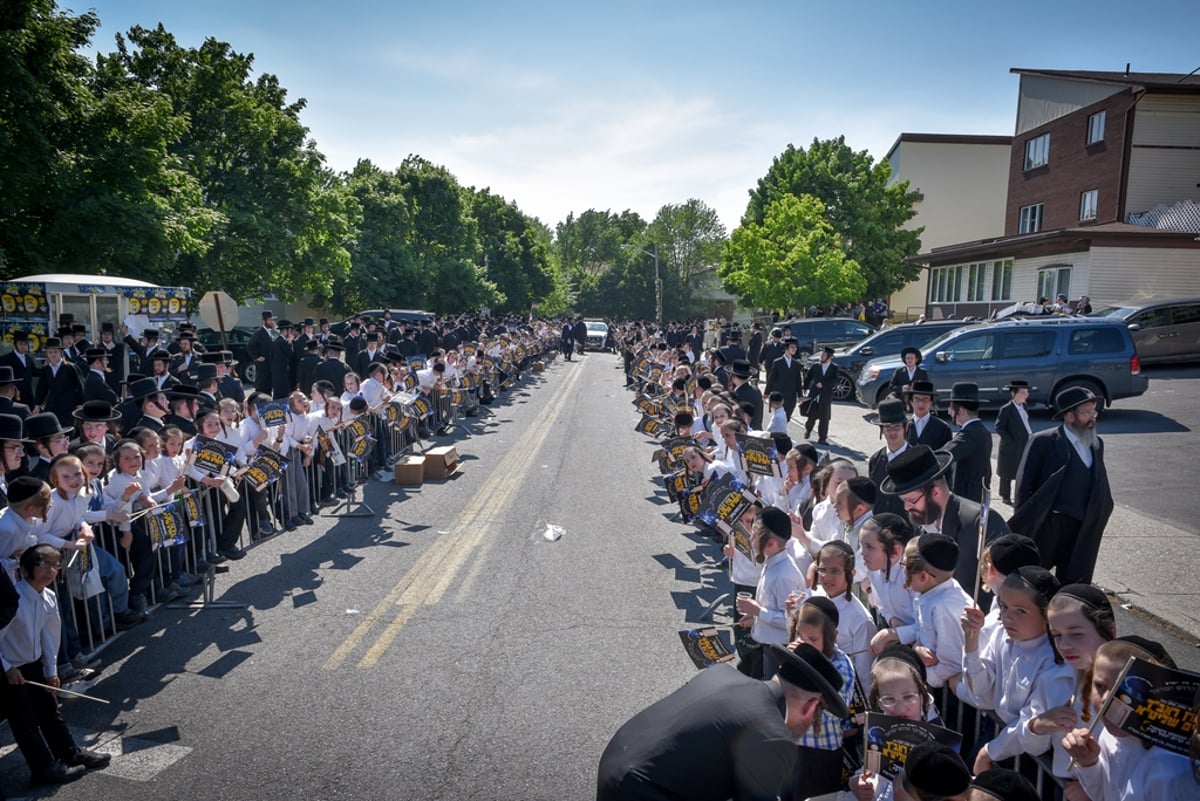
(142,388)
(913,469)
(42,426)
(914,352)
(964,392)
(741,368)
(1071,397)
(12,429)
(183,391)
(6,375)
(809,669)
(891,412)
(921,388)
(95,411)
(1019,383)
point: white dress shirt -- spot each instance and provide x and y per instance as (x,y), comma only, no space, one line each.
(34,633)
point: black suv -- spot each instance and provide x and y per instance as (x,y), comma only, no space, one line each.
(814,333)
(885,342)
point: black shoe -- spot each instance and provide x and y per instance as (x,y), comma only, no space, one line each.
(232,552)
(58,773)
(216,558)
(91,760)
(127,619)
(306,519)
(822,442)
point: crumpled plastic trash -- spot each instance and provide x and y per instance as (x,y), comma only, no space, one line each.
(552,533)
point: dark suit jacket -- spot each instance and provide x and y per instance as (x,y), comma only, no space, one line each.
(259,345)
(787,381)
(23,373)
(771,351)
(95,387)
(936,434)
(283,379)
(1039,478)
(960,520)
(827,380)
(900,379)
(877,472)
(719,736)
(363,359)
(1013,438)
(754,348)
(747,393)
(61,393)
(971,447)
(8,406)
(332,370)
(230,387)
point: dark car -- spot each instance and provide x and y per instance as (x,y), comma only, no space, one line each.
(886,342)
(814,333)
(1164,329)
(235,341)
(398,315)
(1051,353)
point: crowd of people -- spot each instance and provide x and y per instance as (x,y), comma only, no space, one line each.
(896,589)
(101,441)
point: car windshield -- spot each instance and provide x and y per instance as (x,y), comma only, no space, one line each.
(932,345)
(598,328)
(1114,312)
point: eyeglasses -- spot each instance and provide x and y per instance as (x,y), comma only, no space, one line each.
(50,565)
(890,701)
(830,571)
(910,501)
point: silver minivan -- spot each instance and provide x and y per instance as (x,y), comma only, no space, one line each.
(1051,353)
(1163,329)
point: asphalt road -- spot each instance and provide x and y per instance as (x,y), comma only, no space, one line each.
(442,649)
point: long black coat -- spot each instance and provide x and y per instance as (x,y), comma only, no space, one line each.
(260,346)
(960,520)
(62,392)
(971,447)
(1039,478)
(877,472)
(748,393)
(900,379)
(23,374)
(95,387)
(787,381)
(719,736)
(821,386)
(283,379)
(936,434)
(1013,438)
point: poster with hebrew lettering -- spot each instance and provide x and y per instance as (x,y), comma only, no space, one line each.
(1156,704)
(724,502)
(705,647)
(759,456)
(212,456)
(889,739)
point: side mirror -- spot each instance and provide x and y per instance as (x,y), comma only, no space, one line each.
(941,357)
(867,351)
(1134,327)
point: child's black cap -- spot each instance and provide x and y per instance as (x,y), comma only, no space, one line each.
(1038,579)
(935,769)
(905,654)
(1012,551)
(827,607)
(938,550)
(1005,785)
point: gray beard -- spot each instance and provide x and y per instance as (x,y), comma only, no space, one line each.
(1087,436)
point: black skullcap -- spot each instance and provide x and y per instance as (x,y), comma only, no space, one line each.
(1005,785)
(936,769)
(905,654)
(864,488)
(827,607)
(24,488)
(938,551)
(684,419)
(783,443)
(776,521)
(748,408)
(1038,579)
(899,526)
(1012,551)
(1152,647)
(679,384)
(809,669)
(358,404)
(1088,595)
(704,382)
(809,451)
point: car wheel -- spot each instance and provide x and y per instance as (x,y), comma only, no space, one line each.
(844,390)
(248,373)
(1091,386)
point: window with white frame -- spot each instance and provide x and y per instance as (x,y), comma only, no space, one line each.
(1031,219)
(977,282)
(1002,279)
(945,284)
(1087,204)
(1037,152)
(1053,281)
(1095,131)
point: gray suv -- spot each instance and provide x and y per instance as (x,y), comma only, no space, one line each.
(814,333)
(1050,353)
(884,342)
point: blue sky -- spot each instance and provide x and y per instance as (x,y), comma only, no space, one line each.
(565,106)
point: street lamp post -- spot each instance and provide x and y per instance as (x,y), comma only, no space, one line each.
(657,282)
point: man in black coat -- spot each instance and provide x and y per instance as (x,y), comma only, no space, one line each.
(228,384)
(734,350)
(332,368)
(773,348)
(372,353)
(306,366)
(754,350)
(1012,424)
(1063,496)
(20,360)
(786,376)
(822,379)
(116,357)
(580,335)
(971,446)
(926,428)
(283,378)
(745,392)
(95,383)
(892,421)
(8,393)
(917,477)
(908,373)
(427,340)
(259,350)
(722,735)
(60,388)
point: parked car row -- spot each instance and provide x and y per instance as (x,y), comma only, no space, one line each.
(886,342)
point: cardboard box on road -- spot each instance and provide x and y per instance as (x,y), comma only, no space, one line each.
(409,471)
(441,462)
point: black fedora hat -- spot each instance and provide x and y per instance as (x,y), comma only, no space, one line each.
(1071,397)
(741,368)
(964,392)
(143,388)
(809,669)
(206,371)
(891,412)
(159,354)
(20,335)
(913,469)
(913,351)
(184,392)
(95,411)
(51,342)
(91,354)
(44,425)
(921,388)
(1016,384)
(12,429)
(6,375)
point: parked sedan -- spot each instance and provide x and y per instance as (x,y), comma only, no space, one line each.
(1163,329)
(887,342)
(235,341)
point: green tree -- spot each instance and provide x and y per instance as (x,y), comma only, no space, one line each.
(384,268)
(792,260)
(515,257)
(690,239)
(865,212)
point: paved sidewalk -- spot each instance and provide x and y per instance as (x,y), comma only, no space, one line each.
(1151,565)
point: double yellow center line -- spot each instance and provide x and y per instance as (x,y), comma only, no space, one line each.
(427,581)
